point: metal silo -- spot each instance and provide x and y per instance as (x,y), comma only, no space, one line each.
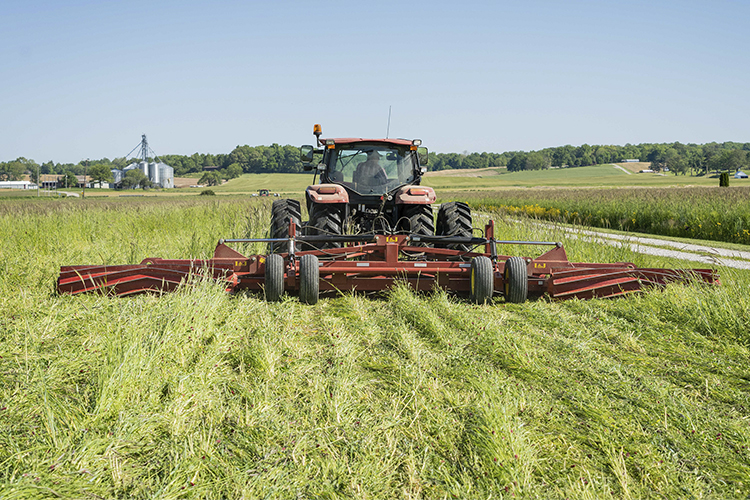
(154,174)
(166,174)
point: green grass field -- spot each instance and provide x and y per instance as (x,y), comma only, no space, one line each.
(593,176)
(199,394)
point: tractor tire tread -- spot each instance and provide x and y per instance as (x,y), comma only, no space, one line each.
(326,219)
(454,219)
(417,219)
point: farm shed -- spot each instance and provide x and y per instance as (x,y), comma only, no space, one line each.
(17,185)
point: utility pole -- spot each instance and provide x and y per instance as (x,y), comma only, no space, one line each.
(38,181)
(85,173)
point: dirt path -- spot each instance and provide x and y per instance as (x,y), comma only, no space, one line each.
(623,169)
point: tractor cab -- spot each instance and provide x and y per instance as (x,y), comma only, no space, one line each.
(371,168)
(366,186)
(368,167)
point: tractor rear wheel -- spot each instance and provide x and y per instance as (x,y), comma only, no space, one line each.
(309,279)
(482,279)
(326,219)
(281,212)
(417,220)
(454,219)
(516,280)
(274,286)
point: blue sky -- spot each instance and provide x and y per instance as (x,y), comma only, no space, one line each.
(82,79)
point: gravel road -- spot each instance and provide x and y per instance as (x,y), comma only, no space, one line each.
(655,246)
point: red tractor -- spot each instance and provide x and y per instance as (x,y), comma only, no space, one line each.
(368,186)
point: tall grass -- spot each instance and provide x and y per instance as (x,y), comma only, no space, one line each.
(199,394)
(721,214)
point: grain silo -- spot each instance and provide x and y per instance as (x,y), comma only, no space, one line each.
(160,174)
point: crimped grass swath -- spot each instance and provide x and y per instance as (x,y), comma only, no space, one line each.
(199,394)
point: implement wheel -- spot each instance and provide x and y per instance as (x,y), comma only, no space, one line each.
(454,219)
(482,280)
(326,219)
(281,212)
(309,279)
(516,280)
(274,287)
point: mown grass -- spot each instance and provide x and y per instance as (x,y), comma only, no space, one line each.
(199,394)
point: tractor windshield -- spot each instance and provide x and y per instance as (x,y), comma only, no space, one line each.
(371,169)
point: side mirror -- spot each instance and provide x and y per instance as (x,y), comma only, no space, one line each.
(306,156)
(423,156)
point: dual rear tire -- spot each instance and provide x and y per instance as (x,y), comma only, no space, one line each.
(309,278)
(515,280)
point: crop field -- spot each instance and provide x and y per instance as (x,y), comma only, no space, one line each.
(594,176)
(199,394)
(720,214)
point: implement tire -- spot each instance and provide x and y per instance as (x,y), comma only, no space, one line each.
(516,280)
(326,219)
(417,220)
(454,219)
(482,280)
(274,286)
(309,279)
(281,212)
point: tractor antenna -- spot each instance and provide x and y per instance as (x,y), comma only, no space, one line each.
(388,130)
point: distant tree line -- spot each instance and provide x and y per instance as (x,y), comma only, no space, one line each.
(677,157)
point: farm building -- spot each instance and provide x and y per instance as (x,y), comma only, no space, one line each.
(17,185)
(740,175)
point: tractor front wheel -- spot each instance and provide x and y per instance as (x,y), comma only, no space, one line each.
(516,280)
